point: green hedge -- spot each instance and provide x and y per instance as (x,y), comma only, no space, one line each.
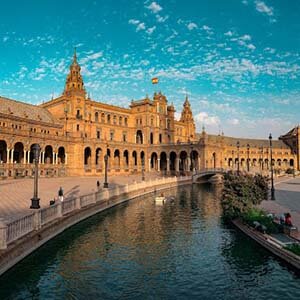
(241,193)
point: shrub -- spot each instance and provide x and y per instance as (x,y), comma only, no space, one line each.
(241,193)
(289,171)
(295,248)
(255,214)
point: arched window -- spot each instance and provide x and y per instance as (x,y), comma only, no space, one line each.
(96,117)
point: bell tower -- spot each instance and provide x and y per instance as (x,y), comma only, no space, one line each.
(188,120)
(74,83)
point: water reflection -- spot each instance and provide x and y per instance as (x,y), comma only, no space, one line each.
(180,250)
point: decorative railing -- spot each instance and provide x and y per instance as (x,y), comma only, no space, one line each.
(49,213)
(11,231)
(19,228)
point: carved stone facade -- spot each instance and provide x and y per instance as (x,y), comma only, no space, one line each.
(75,132)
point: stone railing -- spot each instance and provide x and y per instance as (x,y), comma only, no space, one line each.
(12,231)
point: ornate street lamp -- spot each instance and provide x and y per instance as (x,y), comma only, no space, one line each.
(35,201)
(238,157)
(105,184)
(271,165)
(248,163)
(143,168)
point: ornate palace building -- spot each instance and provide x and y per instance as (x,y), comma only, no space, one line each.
(75,132)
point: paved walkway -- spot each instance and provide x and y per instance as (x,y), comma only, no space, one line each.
(287,195)
(16,194)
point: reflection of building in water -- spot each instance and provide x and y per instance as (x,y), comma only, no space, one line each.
(75,132)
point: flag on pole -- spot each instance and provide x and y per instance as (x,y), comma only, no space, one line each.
(154,80)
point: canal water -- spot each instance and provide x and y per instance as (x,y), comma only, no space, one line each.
(141,250)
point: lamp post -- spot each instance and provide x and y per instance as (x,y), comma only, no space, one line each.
(35,201)
(143,168)
(271,165)
(248,163)
(105,184)
(238,157)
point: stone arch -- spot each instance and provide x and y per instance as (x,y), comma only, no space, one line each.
(279,162)
(154,161)
(102,117)
(151,138)
(194,160)
(214,160)
(243,162)
(96,117)
(291,162)
(163,161)
(267,163)
(285,163)
(126,158)
(142,156)
(61,155)
(48,154)
(183,161)
(18,155)
(87,156)
(139,137)
(3,152)
(254,162)
(134,157)
(98,157)
(120,121)
(117,158)
(173,157)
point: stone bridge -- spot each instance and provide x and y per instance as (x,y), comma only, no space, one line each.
(207,173)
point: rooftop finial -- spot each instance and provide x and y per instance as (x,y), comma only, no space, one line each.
(75,56)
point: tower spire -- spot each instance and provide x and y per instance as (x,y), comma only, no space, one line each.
(74,82)
(75,56)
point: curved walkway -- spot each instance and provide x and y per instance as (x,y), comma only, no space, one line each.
(16,194)
(287,194)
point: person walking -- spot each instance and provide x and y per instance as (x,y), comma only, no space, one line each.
(61,194)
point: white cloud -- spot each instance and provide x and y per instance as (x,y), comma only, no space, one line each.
(251,47)
(233,121)
(133,22)
(205,118)
(141,26)
(161,19)
(228,33)
(192,26)
(92,56)
(263,8)
(150,30)
(154,7)
(245,37)
(206,28)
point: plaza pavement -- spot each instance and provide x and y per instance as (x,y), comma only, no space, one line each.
(287,195)
(16,194)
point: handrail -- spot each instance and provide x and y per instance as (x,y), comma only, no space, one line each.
(11,231)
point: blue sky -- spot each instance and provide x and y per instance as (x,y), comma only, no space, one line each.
(238,60)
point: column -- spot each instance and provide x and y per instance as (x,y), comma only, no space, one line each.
(7,155)
(40,159)
(158,164)
(66,158)
(12,156)
(168,165)
(24,157)
(177,164)
(56,159)
(199,163)
(53,158)
(188,163)
(28,156)
(43,157)
(149,164)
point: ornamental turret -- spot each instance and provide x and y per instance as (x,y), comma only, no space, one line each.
(74,82)
(187,118)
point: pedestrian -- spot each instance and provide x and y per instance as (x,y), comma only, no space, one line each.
(98,184)
(61,194)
